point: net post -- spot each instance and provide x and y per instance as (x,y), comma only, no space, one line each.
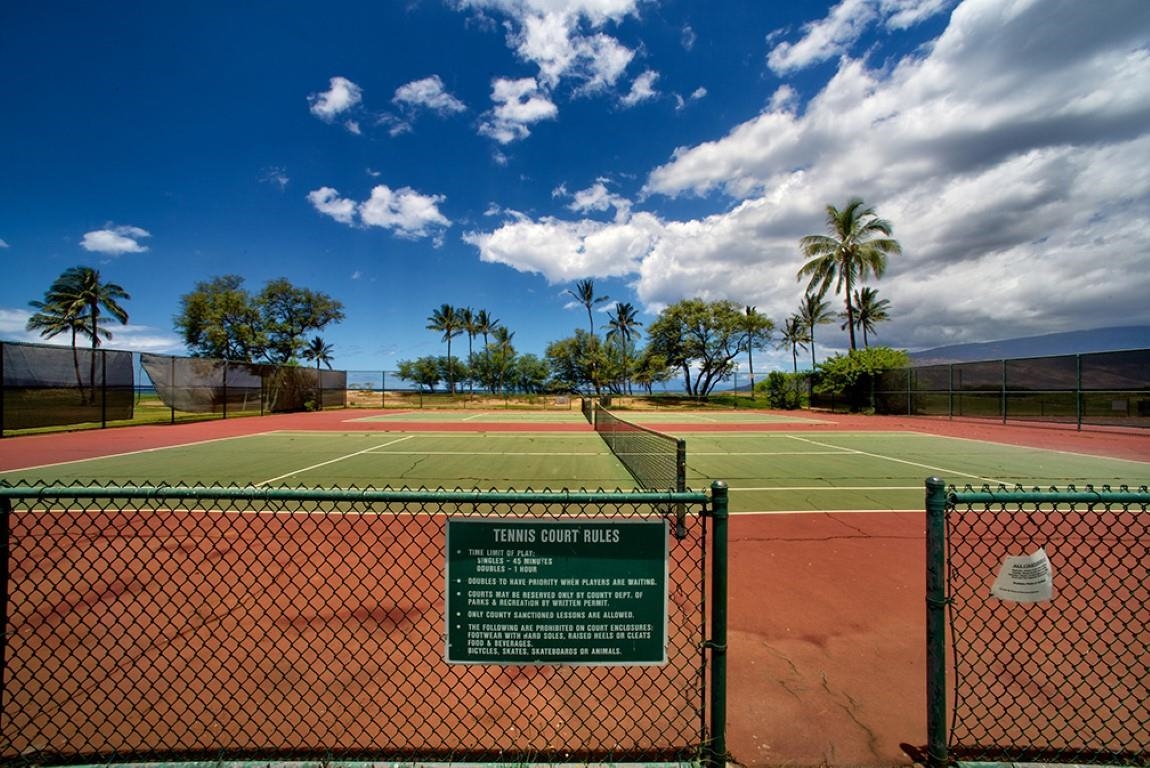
(3,392)
(716,756)
(936,604)
(103,389)
(681,486)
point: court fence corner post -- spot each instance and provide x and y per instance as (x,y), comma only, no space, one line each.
(936,604)
(5,548)
(716,753)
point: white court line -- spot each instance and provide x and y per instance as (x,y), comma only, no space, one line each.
(476,416)
(941,470)
(332,461)
(499,453)
(140,451)
(770,453)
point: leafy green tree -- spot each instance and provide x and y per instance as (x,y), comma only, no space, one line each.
(623,324)
(423,372)
(448,321)
(857,245)
(288,314)
(853,374)
(570,360)
(220,319)
(705,337)
(529,374)
(813,310)
(652,369)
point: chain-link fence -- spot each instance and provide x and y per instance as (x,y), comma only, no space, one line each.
(240,623)
(44,386)
(1101,388)
(1039,603)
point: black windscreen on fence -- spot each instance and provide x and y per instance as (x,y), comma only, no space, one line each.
(203,385)
(46,386)
(1102,388)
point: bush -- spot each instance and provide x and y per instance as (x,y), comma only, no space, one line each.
(786,391)
(852,376)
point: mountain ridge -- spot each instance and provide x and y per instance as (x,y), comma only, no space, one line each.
(1112,339)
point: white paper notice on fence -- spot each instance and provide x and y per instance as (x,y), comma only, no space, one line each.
(1025,579)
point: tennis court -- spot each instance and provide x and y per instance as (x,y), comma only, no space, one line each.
(826,569)
(772,470)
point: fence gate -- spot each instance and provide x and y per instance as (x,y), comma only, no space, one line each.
(191,623)
(1044,597)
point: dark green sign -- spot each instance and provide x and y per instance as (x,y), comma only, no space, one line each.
(543,591)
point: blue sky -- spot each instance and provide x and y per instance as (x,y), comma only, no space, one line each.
(490,153)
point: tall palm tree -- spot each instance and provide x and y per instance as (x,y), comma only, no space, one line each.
(813,310)
(857,245)
(758,330)
(58,314)
(503,339)
(75,299)
(447,321)
(484,325)
(320,351)
(869,310)
(584,293)
(623,324)
(795,335)
(468,325)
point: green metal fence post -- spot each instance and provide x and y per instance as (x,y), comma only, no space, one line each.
(5,536)
(936,602)
(717,754)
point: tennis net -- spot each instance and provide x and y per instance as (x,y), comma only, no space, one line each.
(658,462)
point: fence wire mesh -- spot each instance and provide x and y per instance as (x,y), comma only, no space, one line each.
(212,623)
(1064,680)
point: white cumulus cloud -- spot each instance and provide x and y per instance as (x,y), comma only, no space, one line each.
(113,240)
(1003,153)
(641,90)
(430,94)
(518,104)
(341,96)
(405,212)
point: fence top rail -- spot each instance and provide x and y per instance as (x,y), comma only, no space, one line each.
(253,493)
(1090,494)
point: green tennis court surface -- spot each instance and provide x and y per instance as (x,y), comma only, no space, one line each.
(767,472)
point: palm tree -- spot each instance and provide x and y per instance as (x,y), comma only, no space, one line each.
(869,309)
(55,315)
(447,320)
(857,245)
(467,324)
(320,351)
(758,331)
(813,311)
(73,302)
(485,324)
(623,324)
(795,335)
(584,293)
(503,339)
